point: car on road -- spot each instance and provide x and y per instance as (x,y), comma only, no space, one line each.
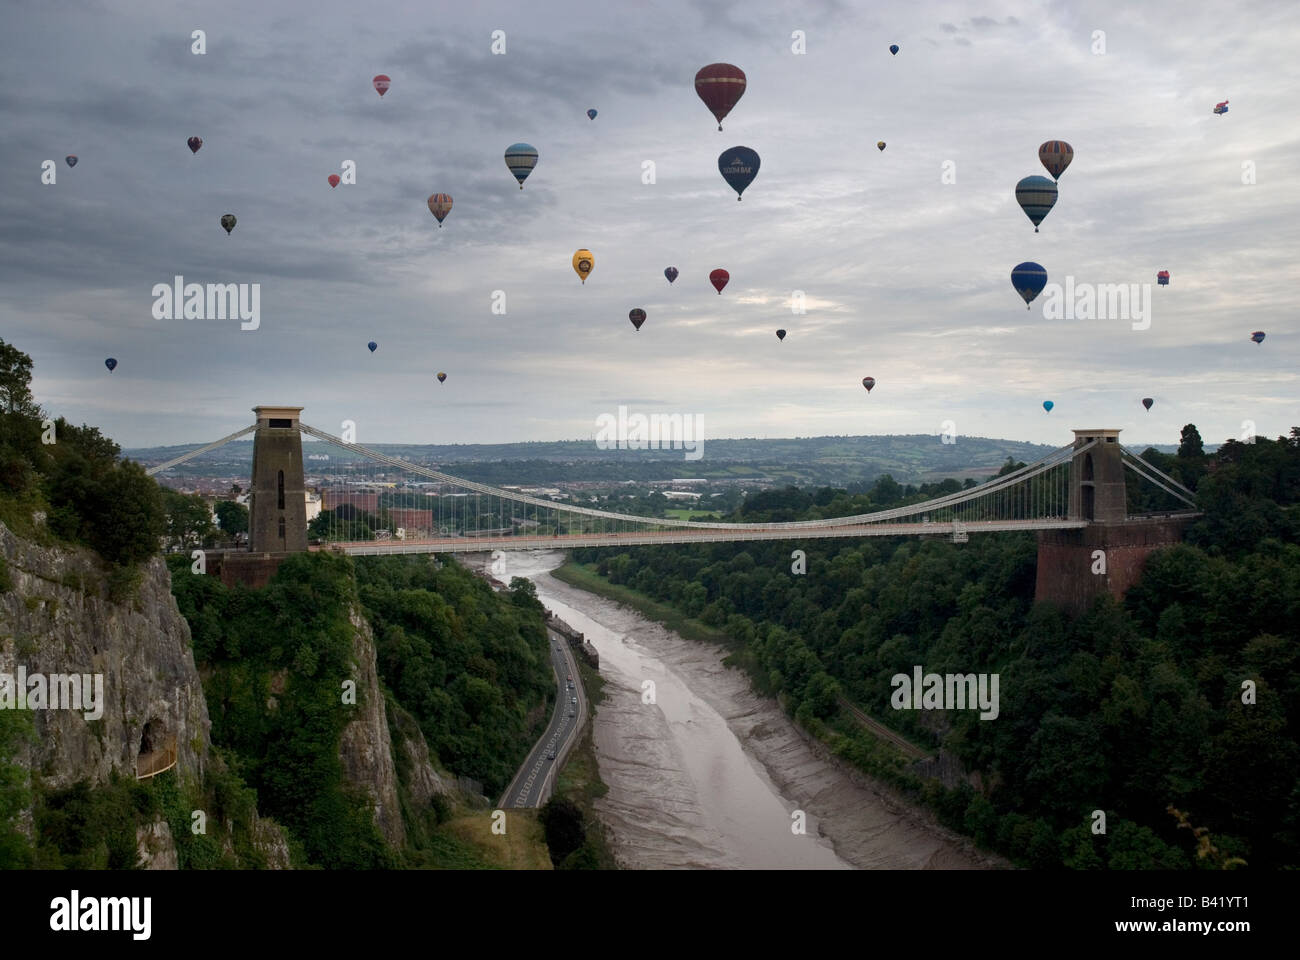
(573,699)
(551,755)
(572,712)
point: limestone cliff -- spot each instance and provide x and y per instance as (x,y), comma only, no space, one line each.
(57,619)
(365,747)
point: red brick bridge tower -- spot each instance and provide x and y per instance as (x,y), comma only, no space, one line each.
(1075,567)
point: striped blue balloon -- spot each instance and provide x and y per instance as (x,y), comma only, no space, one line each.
(520,159)
(1029,280)
(1036,196)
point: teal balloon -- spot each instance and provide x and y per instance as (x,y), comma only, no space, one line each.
(1047,405)
(520,159)
(1036,196)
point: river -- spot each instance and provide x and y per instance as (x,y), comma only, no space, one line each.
(710,774)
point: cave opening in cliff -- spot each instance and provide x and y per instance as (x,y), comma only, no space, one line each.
(152,737)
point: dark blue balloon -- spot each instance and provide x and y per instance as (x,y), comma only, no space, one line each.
(111,364)
(671,274)
(591,114)
(738,166)
(1029,280)
(893,48)
(373,346)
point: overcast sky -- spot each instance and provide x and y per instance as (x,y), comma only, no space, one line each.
(907,278)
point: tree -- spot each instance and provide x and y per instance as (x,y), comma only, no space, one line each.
(15,382)
(233,517)
(128,520)
(563,824)
(189,522)
(1189,442)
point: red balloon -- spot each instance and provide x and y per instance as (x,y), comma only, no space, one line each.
(720,86)
(382,83)
(719,279)
(334,179)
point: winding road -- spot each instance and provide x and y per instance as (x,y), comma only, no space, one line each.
(535,781)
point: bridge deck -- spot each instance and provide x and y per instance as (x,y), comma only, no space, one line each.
(641,537)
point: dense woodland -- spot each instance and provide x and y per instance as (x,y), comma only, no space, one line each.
(1132,708)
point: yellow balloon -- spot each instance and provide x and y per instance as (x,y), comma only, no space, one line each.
(583,263)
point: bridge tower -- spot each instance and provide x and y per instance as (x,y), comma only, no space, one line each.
(1097,492)
(1075,567)
(277,521)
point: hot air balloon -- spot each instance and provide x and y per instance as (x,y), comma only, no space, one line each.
(780,334)
(893,48)
(1028,279)
(442,377)
(868,382)
(382,83)
(1055,156)
(1221,108)
(880,145)
(440,206)
(373,346)
(228,221)
(719,279)
(1258,336)
(1147,402)
(111,364)
(637,317)
(583,263)
(739,167)
(1036,196)
(671,274)
(1162,278)
(520,159)
(720,86)
(333,178)
(71,159)
(1047,405)
(195,143)
(591,114)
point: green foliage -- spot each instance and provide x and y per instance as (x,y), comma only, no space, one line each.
(563,825)
(188,521)
(87,827)
(286,743)
(232,516)
(467,663)
(15,382)
(15,796)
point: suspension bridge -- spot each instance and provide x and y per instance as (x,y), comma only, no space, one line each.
(1075,498)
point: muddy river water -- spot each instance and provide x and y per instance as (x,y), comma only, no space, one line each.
(712,775)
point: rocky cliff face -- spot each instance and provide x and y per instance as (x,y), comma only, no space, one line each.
(57,619)
(365,747)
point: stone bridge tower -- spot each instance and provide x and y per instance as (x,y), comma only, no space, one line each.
(1075,567)
(277,521)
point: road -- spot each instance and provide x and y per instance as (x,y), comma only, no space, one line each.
(535,781)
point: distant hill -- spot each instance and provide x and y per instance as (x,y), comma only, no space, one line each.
(909,458)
